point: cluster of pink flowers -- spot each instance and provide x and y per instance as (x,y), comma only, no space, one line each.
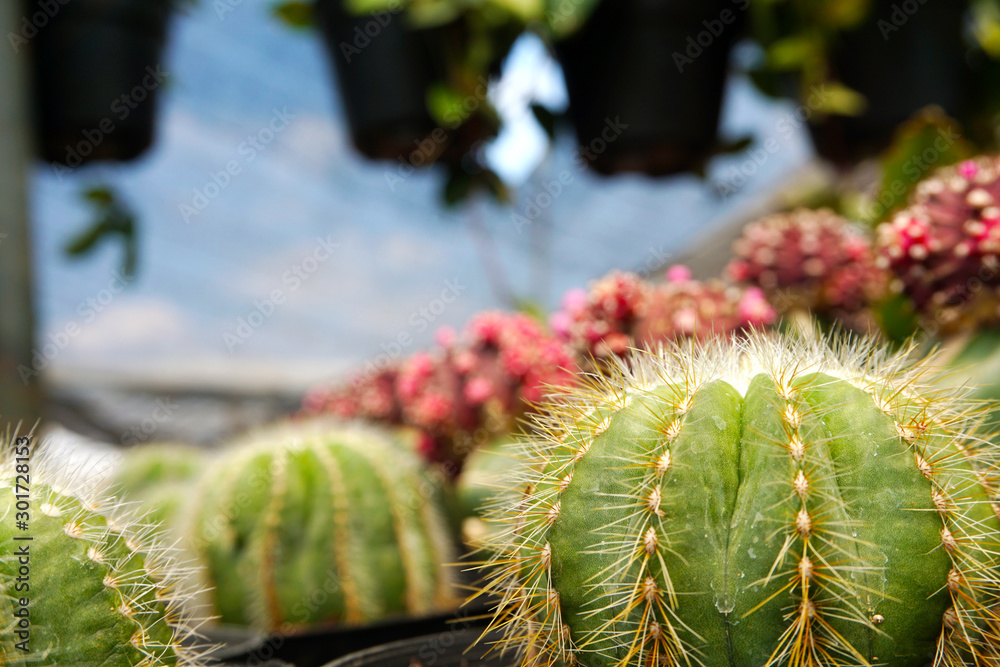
(814,261)
(943,249)
(470,388)
(621,311)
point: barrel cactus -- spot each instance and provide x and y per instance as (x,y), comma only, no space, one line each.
(316,522)
(83,582)
(159,478)
(758,502)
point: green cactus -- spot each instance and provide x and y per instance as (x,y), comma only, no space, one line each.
(159,478)
(322,523)
(482,477)
(766,502)
(102,589)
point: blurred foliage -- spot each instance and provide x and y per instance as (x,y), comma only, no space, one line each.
(474,37)
(297,14)
(559,18)
(986,25)
(112,219)
(928,141)
(796,37)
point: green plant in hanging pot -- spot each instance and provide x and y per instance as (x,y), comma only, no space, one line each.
(83,580)
(414,78)
(764,502)
(646,79)
(861,68)
(98,69)
(318,523)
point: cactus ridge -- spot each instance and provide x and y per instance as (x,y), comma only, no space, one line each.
(320,508)
(106,589)
(619,539)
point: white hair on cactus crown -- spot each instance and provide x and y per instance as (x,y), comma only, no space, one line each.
(79,490)
(860,361)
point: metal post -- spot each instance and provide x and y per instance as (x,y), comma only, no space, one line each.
(20,397)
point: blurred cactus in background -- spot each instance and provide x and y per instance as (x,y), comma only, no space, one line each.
(622,311)
(159,478)
(812,261)
(317,522)
(943,248)
(471,388)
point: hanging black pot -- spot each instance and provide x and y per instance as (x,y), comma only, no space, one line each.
(384,67)
(455,648)
(907,55)
(646,79)
(97,71)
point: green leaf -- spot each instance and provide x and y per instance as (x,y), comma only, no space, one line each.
(792,53)
(897,318)
(839,99)
(493,184)
(545,118)
(527,11)
(111,219)
(87,240)
(100,195)
(297,14)
(926,142)
(564,17)
(986,25)
(457,188)
(427,13)
(445,104)
(360,7)
(844,13)
(532,308)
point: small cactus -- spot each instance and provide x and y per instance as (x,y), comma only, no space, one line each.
(482,476)
(102,589)
(943,249)
(622,311)
(315,522)
(761,502)
(811,261)
(159,477)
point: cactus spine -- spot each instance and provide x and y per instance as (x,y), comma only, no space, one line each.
(317,522)
(764,502)
(103,590)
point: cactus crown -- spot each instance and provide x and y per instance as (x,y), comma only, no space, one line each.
(103,588)
(770,501)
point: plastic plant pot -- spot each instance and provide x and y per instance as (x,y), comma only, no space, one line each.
(646,80)
(454,648)
(901,62)
(316,647)
(384,68)
(98,70)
